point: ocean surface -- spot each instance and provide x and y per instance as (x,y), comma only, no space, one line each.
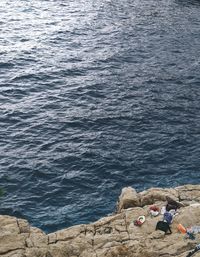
(95,96)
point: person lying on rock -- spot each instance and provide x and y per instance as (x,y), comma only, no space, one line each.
(172,204)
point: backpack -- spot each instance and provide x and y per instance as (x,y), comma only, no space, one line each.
(163,226)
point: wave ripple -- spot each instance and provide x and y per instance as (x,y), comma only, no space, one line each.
(95,96)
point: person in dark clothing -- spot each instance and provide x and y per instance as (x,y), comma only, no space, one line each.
(172,204)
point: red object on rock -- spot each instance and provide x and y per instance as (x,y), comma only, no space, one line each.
(154,208)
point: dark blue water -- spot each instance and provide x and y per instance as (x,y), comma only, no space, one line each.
(95,96)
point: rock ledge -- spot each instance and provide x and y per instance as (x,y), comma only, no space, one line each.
(112,236)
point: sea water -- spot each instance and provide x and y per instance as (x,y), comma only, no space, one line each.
(95,96)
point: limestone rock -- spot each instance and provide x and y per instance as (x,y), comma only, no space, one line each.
(23,225)
(15,253)
(112,236)
(157,194)
(128,198)
(11,242)
(189,193)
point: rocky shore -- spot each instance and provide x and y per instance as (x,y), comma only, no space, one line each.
(112,236)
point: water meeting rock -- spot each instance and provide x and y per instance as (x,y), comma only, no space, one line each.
(114,235)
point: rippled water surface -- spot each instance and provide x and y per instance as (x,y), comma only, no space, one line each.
(95,96)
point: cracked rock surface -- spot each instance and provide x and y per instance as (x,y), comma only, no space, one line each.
(112,236)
